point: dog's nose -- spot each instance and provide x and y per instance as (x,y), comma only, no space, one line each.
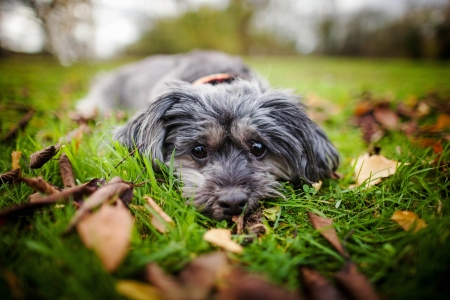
(233,203)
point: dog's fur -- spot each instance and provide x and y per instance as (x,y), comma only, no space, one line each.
(229,120)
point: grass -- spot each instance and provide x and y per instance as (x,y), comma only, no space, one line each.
(37,262)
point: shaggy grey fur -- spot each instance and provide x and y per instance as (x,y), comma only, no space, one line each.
(250,136)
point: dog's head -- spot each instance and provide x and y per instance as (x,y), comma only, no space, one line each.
(232,143)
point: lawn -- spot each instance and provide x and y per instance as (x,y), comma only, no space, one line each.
(38,261)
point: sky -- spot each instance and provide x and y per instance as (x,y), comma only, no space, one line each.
(119,22)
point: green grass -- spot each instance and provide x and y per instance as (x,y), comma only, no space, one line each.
(37,262)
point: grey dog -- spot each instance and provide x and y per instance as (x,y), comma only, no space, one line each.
(233,137)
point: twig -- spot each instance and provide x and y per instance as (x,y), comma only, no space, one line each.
(129,154)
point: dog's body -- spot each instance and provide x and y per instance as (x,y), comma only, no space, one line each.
(233,137)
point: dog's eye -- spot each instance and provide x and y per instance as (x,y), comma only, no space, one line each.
(199,152)
(258,149)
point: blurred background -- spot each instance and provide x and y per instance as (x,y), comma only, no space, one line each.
(80,30)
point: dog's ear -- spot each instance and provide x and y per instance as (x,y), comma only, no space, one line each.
(146,129)
(308,154)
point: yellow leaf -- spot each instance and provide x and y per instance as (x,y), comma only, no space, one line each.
(108,233)
(136,290)
(15,156)
(222,238)
(317,185)
(408,220)
(271,213)
(371,169)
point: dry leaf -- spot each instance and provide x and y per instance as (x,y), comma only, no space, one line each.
(166,284)
(108,233)
(317,287)
(355,284)
(222,238)
(326,229)
(201,275)
(362,108)
(15,157)
(373,168)
(386,117)
(239,220)
(136,290)
(160,226)
(65,167)
(372,132)
(40,185)
(115,187)
(254,224)
(9,177)
(38,159)
(408,220)
(443,122)
(317,185)
(242,286)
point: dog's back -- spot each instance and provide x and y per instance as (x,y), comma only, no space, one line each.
(132,86)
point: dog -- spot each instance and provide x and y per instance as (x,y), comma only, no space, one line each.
(233,138)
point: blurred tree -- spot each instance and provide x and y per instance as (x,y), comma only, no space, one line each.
(229,30)
(67,24)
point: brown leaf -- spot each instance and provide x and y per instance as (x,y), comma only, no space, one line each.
(9,177)
(326,229)
(242,286)
(15,157)
(443,122)
(166,284)
(371,169)
(201,275)
(408,220)
(386,117)
(160,220)
(75,135)
(18,210)
(114,188)
(254,224)
(317,287)
(108,233)
(410,128)
(222,238)
(362,108)
(20,126)
(136,290)
(355,284)
(65,167)
(38,159)
(40,185)
(239,220)
(370,129)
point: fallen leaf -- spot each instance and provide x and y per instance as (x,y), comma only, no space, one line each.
(355,284)
(326,229)
(443,122)
(65,168)
(10,177)
(18,210)
(15,157)
(201,275)
(20,126)
(40,185)
(271,213)
(362,108)
(242,286)
(372,132)
(136,290)
(160,220)
(222,238)
(254,224)
(239,220)
(370,169)
(317,287)
(408,220)
(166,284)
(317,185)
(38,159)
(108,233)
(386,117)
(114,188)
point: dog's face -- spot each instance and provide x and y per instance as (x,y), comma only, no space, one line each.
(232,143)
